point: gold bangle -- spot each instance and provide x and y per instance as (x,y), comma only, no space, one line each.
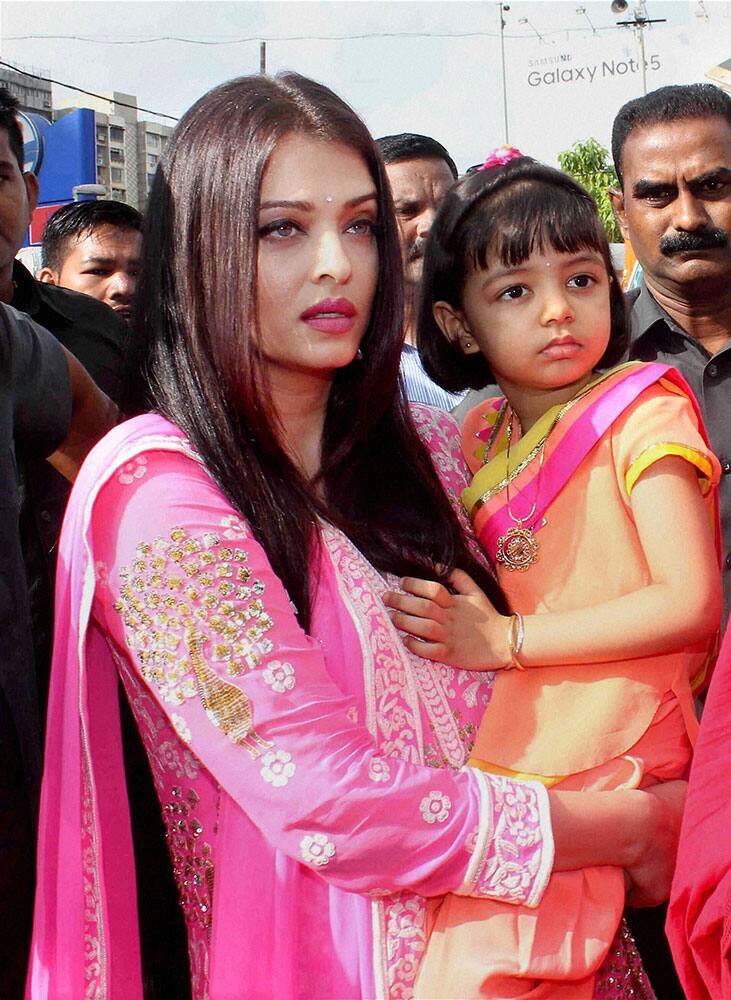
(516,635)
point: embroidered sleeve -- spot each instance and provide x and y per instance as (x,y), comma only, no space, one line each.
(661,423)
(189,596)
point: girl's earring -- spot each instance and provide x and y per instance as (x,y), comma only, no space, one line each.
(467,344)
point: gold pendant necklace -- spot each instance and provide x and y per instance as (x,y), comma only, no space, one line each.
(517,549)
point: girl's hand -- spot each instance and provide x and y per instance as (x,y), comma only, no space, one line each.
(461,629)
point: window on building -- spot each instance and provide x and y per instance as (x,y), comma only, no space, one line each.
(150,179)
(153,140)
(119,194)
(116,155)
(116,134)
(151,162)
(101,135)
(116,175)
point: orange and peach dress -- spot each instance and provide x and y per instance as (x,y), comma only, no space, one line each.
(593,725)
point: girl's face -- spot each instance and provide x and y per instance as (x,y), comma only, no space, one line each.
(542,325)
(317,256)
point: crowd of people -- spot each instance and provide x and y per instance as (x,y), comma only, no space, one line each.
(370,657)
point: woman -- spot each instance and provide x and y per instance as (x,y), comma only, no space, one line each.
(229,556)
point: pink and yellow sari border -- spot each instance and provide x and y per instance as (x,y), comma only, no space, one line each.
(573,434)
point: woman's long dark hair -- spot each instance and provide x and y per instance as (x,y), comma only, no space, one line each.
(196,345)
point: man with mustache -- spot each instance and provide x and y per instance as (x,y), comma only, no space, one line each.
(672,154)
(420,172)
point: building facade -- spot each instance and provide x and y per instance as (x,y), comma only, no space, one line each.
(33,92)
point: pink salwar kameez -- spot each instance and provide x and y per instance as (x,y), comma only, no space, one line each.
(313,786)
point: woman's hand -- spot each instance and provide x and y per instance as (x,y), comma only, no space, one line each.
(462,629)
(652,873)
(633,829)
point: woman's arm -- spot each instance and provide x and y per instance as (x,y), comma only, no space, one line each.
(681,606)
(208,630)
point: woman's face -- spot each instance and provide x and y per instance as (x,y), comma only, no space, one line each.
(317,256)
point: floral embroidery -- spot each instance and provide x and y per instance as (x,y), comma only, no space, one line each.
(234,527)
(170,758)
(513,861)
(435,807)
(279,676)
(178,586)
(521,810)
(277,767)
(181,727)
(405,933)
(379,769)
(132,470)
(316,850)
(406,919)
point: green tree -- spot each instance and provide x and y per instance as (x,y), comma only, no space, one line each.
(588,163)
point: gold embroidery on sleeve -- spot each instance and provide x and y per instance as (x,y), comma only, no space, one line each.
(182,594)
(226,706)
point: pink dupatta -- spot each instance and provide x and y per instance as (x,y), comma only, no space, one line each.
(89,843)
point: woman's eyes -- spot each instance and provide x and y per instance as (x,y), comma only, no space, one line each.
(362,227)
(282,229)
(279,229)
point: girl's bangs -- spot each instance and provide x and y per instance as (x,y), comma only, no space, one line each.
(529,217)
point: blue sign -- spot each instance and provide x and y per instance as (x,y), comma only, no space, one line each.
(33,145)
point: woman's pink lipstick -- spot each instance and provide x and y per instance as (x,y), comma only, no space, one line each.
(331,316)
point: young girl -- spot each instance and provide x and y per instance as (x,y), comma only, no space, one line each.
(594,495)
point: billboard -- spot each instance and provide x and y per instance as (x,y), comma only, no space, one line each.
(62,155)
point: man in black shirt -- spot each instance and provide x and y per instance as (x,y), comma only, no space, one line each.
(672,153)
(48,404)
(91,331)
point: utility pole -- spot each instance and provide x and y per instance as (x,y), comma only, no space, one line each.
(639,22)
(263,58)
(502,8)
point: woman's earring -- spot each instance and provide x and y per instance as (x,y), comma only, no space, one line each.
(467,344)
(359,355)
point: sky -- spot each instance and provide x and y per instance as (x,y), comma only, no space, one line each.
(430,67)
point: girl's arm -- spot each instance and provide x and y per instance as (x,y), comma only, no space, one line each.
(681,606)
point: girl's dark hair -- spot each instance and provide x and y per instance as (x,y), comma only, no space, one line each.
(505,212)
(197,351)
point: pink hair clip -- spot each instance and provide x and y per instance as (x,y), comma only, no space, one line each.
(500,156)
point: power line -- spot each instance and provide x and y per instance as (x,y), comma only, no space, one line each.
(90,93)
(136,40)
